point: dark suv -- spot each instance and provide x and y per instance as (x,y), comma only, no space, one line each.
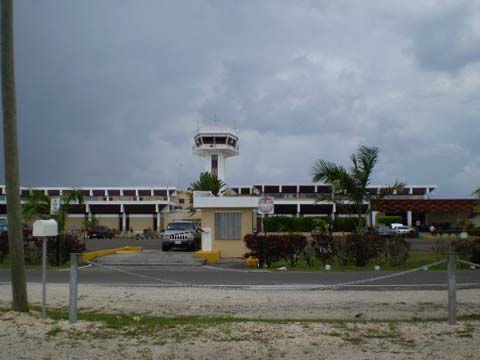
(182,234)
(100,232)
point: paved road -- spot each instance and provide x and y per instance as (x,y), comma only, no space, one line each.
(155,244)
(216,275)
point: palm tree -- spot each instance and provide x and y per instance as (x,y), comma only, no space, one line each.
(37,206)
(352,185)
(208,182)
(69,198)
(10,142)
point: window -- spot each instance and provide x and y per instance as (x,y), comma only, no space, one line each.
(215,165)
(228,225)
(181,201)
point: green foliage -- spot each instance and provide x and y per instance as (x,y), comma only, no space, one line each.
(467,249)
(271,248)
(387,220)
(319,225)
(355,249)
(309,224)
(37,206)
(324,247)
(352,184)
(208,182)
(90,223)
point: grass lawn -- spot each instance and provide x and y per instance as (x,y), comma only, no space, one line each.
(415,259)
(6,265)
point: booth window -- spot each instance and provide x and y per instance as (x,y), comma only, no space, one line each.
(228,225)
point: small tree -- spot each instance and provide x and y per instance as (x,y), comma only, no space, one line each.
(208,182)
(352,185)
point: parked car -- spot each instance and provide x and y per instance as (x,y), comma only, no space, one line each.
(100,232)
(402,230)
(182,234)
(379,230)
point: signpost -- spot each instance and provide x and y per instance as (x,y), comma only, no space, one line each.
(44,229)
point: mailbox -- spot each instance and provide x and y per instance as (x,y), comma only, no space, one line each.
(45,228)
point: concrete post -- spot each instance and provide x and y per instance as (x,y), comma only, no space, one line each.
(409,219)
(73,289)
(452,289)
(159,215)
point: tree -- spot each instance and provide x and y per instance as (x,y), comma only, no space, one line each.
(477,207)
(37,206)
(69,198)
(208,182)
(352,185)
(10,143)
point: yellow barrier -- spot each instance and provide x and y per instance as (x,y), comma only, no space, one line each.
(211,256)
(123,250)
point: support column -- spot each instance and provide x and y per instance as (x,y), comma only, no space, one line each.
(409,219)
(124,222)
(159,217)
(373,220)
(298,210)
(334,210)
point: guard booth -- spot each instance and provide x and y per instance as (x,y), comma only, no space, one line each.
(229,218)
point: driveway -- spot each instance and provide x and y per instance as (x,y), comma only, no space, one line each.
(152,258)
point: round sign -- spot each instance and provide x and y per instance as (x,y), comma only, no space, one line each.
(265,205)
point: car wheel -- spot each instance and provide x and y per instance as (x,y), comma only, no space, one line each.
(165,248)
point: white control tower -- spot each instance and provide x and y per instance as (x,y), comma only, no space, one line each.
(215,144)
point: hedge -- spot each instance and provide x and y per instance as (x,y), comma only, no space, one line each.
(307,224)
(387,220)
(354,249)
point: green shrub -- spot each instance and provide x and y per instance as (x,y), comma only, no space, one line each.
(387,220)
(323,247)
(396,250)
(271,248)
(358,249)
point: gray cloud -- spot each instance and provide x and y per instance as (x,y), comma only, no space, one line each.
(110,92)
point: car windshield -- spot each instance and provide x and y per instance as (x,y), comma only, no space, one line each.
(180,226)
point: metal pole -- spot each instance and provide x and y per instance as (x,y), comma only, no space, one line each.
(452,289)
(73,288)
(44,277)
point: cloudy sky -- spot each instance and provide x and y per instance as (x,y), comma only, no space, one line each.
(109,92)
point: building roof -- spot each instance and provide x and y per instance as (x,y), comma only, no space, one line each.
(421,205)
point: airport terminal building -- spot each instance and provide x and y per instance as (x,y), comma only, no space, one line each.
(135,209)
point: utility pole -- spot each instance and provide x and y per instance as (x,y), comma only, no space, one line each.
(10,143)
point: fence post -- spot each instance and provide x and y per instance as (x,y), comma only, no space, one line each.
(73,312)
(452,289)
(44,277)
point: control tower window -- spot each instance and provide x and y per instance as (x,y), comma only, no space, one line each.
(208,140)
(198,141)
(231,142)
(220,140)
(215,165)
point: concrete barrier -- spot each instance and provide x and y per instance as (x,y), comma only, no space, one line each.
(88,256)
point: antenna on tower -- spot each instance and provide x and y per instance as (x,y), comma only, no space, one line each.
(235,126)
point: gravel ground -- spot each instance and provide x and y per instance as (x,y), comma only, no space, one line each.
(24,336)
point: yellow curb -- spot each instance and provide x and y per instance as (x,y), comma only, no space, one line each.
(123,250)
(211,256)
(251,261)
